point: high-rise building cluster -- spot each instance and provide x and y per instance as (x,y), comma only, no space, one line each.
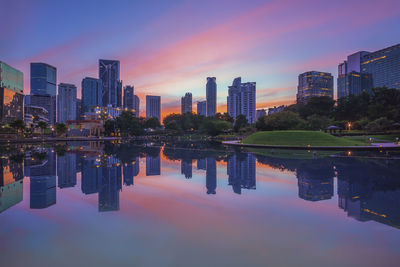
(186,103)
(360,72)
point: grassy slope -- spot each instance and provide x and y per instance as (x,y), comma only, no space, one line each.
(300,138)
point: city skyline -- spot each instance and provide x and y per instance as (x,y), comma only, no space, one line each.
(159,65)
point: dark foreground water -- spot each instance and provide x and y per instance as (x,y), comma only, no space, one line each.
(116,205)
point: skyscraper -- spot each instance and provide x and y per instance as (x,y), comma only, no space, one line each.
(66,100)
(112,86)
(241,100)
(131,101)
(384,66)
(350,79)
(43,88)
(153,107)
(11,94)
(314,84)
(211,95)
(202,108)
(186,103)
(92,94)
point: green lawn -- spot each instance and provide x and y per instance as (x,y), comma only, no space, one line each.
(300,138)
(376,138)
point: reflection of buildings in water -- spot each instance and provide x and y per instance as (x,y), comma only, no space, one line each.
(10,195)
(130,170)
(42,191)
(152,165)
(43,182)
(241,170)
(10,184)
(111,184)
(365,201)
(211,175)
(315,189)
(91,175)
(201,164)
(186,168)
(66,170)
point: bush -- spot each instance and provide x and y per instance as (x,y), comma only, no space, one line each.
(380,124)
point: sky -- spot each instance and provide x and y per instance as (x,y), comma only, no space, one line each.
(168,48)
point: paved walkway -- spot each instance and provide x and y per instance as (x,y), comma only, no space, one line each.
(374,146)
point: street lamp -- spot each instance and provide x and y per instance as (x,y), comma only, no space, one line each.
(349,125)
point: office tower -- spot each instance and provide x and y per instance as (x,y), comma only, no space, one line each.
(384,66)
(211,175)
(202,108)
(186,168)
(131,101)
(66,170)
(92,94)
(186,103)
(43,88)
(66,101)
(153,107)
(241,169)
(260,113)
(241,100)
(211,96)
(350,79)
(112,86)
(314,84)
(11,94)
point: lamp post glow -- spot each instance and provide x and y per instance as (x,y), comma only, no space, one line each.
(349,126)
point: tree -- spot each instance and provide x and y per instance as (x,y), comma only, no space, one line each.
(129,124)
(380,124)
(18,125)
(42,126)
(316,122)
(215,127)
(322,106)
(152,123)
(241,122)
(285,120)
(60,129)
(109,127)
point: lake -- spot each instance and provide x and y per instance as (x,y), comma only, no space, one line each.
(104,204)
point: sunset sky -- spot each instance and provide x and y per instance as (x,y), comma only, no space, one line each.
(169,47)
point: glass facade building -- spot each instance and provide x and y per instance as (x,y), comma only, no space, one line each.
(112,86)
(384,66)
(153,107)
(202,108)
(186,103)
(11,94)
(92,94)
(211,95)
(131,101)
(66,100)
(44,88)
(314,84)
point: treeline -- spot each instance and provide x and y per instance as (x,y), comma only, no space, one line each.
(378,111)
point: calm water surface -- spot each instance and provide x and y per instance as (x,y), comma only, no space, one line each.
(126,205)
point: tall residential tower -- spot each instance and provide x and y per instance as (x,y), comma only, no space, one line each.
(211,95)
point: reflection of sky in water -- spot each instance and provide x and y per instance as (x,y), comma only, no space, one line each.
(168,219)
